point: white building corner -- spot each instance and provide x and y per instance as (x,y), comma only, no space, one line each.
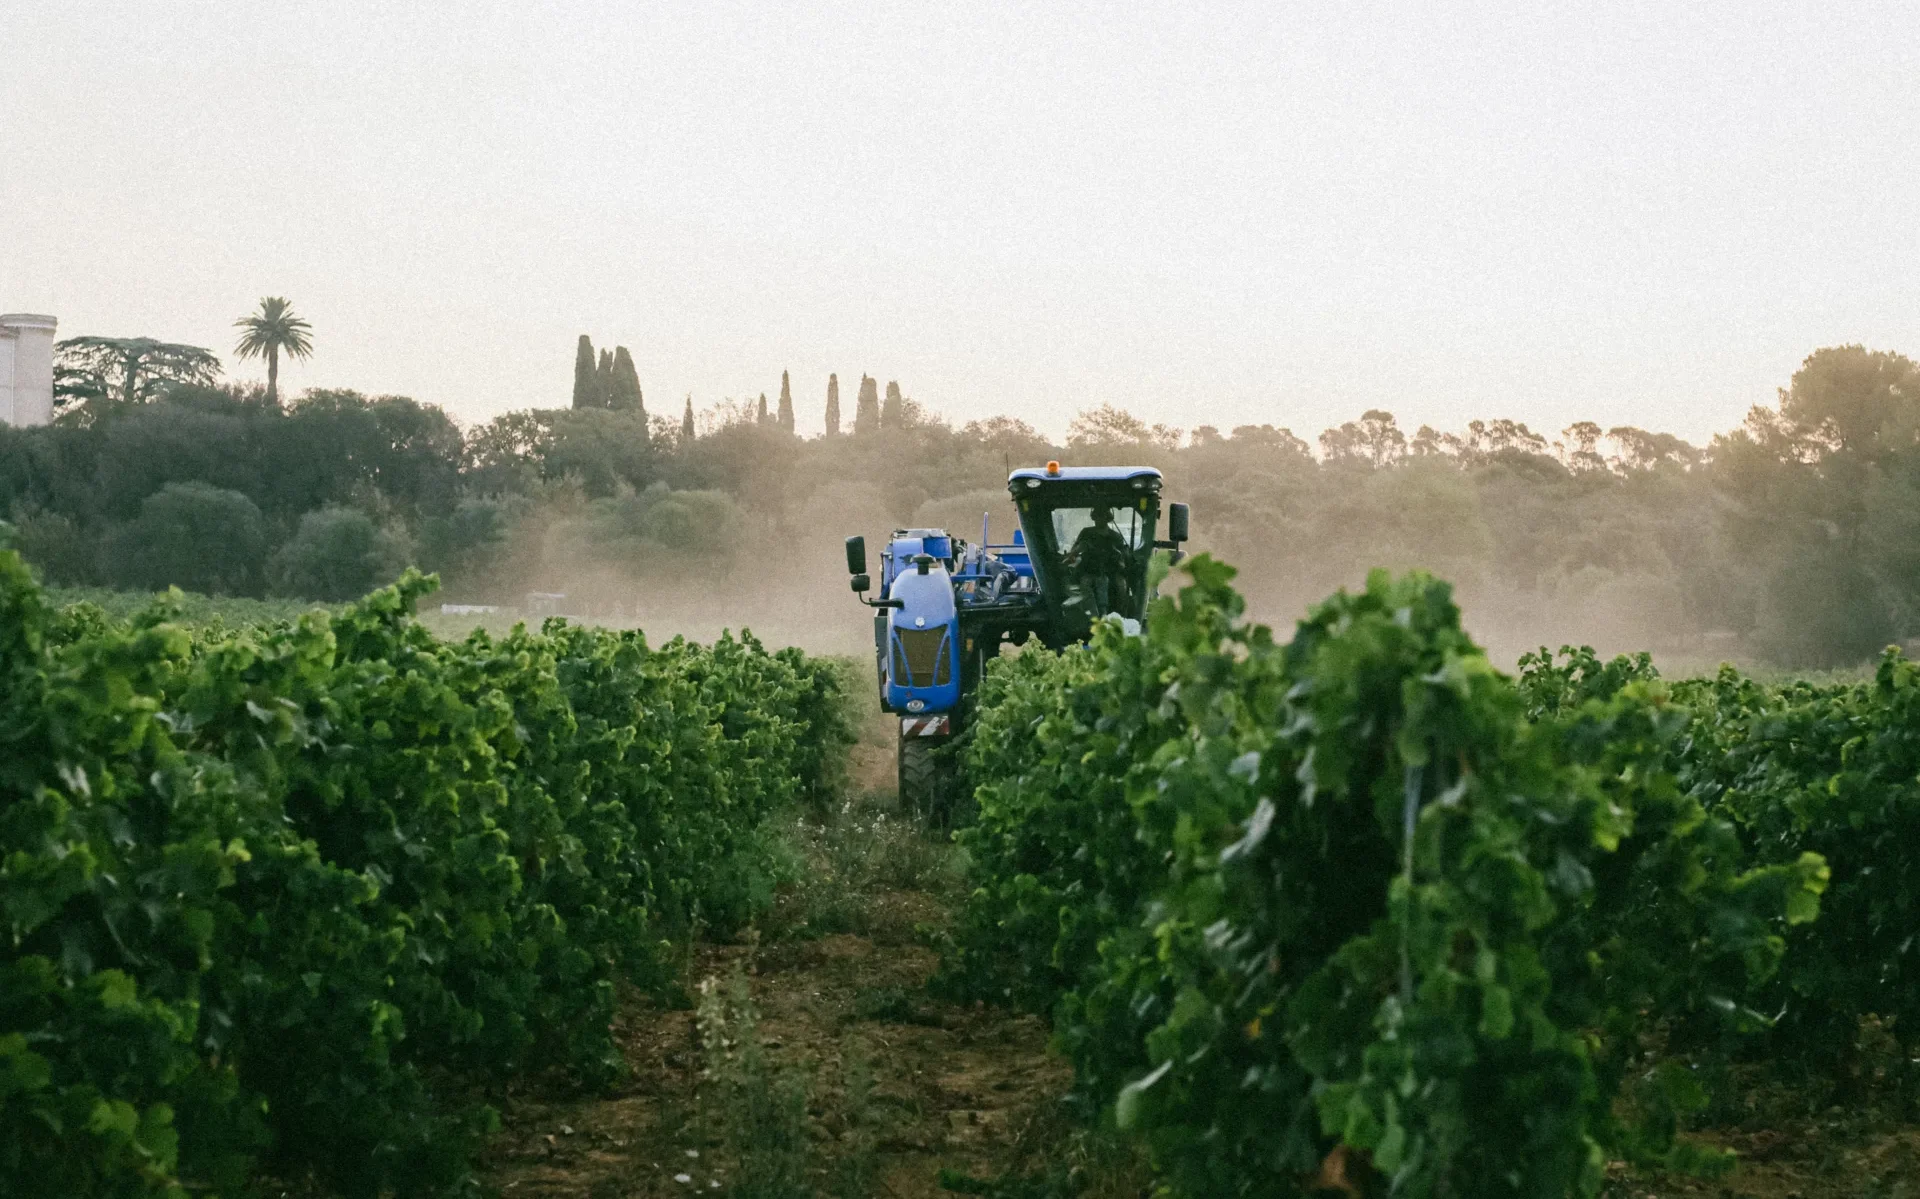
(26,368)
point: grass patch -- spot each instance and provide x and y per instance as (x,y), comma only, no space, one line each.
(852,855)
(758,1113)
(855,1173)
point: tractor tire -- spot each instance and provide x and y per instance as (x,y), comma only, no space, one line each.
(919,777)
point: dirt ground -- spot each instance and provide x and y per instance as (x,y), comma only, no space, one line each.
(967,1089)
(1809,1159)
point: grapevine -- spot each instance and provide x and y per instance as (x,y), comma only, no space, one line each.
(285,896)
(1340,906)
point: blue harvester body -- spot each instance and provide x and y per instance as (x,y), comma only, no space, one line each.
(946,607)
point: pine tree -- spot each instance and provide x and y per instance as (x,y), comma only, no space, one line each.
(686,421)
(893,413)
(583,374)
(866,409)
(760,416)
(603,380)
(786,404)
(626,384)
(833,405)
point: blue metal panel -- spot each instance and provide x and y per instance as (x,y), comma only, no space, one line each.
(898,557)
(927,611)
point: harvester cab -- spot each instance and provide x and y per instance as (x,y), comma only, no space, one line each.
(1090,532)
(1082,552)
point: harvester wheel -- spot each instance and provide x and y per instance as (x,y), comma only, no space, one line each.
(919,776)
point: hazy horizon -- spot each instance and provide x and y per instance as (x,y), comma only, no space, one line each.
(1216,215)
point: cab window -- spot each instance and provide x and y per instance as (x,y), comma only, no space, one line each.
(1069,523)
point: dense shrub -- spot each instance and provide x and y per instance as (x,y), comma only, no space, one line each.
(58,546)
(336,554)
(279,894)
(1338,906)
(686,531)
(1834,770)
(471,538)
(171,443)
(193,536)
(1799,767)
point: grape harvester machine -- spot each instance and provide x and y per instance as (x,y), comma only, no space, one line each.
(1086,538)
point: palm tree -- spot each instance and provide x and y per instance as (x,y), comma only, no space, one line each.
(273,329)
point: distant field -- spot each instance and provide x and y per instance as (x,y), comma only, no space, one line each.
(233,611)
(194,608)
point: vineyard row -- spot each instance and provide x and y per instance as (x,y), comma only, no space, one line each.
(287,898)
(1359,912)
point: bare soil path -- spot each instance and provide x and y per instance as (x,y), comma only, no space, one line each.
(959,1088)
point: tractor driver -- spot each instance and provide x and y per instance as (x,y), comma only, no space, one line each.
(1099,557)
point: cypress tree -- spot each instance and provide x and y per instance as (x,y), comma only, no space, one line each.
(866,409)
(760,415)
(626,384)
(686,420)
(786,404)
(583,374)
(893,413)
(603,380)
(833,405)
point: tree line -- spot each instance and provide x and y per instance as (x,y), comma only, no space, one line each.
(608,380)
(1790,539)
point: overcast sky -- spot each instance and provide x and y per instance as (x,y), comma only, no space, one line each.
(1208,214)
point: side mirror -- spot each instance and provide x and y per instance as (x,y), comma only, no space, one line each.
(857,557)
(1176,522)
(861,582)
